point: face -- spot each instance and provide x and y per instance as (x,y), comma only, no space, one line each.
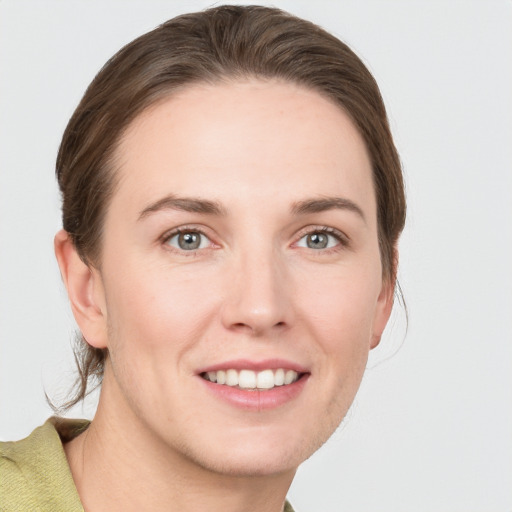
(241,283)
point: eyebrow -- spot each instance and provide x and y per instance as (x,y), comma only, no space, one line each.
(185,204)
(326,203)
(205,206)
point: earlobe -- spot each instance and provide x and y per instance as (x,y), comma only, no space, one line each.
(85,291)
(384,303)
(384,307)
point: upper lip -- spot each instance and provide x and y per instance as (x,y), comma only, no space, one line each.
(247,364)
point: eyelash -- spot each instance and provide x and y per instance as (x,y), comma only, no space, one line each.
(342,239)
(181,230)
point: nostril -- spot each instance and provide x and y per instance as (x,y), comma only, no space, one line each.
(256,328)
(240,326)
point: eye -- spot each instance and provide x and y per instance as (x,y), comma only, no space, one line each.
(319,240)
(188,240)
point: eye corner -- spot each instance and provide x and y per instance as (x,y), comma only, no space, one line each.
(324,239)
(187,240)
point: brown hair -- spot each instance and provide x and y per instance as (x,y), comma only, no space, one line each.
(226,42)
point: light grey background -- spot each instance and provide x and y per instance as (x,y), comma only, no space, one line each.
(431,428)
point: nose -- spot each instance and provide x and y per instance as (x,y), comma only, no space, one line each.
(258,292)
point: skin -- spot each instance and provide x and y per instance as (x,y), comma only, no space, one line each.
(254,290)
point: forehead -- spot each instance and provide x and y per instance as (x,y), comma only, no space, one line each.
(245,140)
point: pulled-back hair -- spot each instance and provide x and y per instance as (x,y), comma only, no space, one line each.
(222,43)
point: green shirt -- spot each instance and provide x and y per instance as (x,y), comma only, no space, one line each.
(34,472)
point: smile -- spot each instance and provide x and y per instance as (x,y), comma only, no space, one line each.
(249,379)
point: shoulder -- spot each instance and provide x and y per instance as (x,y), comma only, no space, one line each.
(12,481)
(34,474)
(287,507)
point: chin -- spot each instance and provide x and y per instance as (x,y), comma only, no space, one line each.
(249,464)
(259,453)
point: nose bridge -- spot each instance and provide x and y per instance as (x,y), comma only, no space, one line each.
(257,299)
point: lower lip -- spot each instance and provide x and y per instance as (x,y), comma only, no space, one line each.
(257,400)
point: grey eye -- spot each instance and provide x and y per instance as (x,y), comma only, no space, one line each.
(188,241)
(318,240)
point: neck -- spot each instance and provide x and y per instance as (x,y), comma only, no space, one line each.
(117,466)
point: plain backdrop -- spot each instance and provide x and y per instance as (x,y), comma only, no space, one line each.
(431,428)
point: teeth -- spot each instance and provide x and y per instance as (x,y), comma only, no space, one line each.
(232,378)
(248,379)
(279,377)
(290,376)
(265,379)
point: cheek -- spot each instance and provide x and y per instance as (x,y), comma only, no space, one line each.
(340,316)
(342,307)
(156,312)
(155,320)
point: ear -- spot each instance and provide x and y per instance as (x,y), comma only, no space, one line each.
(384,305)
(85,291)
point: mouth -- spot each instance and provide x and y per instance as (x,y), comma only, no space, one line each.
(256,386)
(250,380)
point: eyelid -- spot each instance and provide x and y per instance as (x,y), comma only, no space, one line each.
(344,240)
(164,239)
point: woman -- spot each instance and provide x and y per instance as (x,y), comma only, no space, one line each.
(232,201)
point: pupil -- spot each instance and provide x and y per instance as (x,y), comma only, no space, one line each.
(317,241)
(189,241)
